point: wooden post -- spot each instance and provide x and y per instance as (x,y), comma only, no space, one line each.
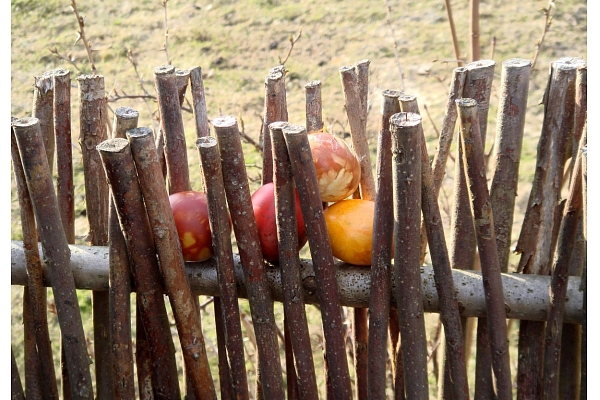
(246,234)
(314,107)
(16,387)
(275,110)
(221,237)
(56,253)
(120,172)
(43,110)
(312,211)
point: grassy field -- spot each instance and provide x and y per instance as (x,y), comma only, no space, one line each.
(236,43)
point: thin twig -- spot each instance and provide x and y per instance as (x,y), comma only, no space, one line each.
(81,36)
(166,43)
(388,20)
(293,41)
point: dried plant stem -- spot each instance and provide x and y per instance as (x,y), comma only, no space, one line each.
(171,123)
(406,153)
(289,263)
(221,236)
(547,24)
(474,167)
(453,33)
(81,33)
(444,142)
(143,359)
(560,272)
(275,110)
(171,262)
(35,295)
(314,106)
(225,383)
(474,30)
(246,234)
(312,211)
(120,172)
(514,88)
(43,90)
(381,256)
(56,253)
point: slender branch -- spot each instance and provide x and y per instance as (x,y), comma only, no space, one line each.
(81,36)
(293,41)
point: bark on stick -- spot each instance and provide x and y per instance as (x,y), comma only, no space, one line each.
(381,256)
(406,154)
(289,263)
(223,254)
(43,110)
(246,233)
(327,290)
(474,166)
(314,107)
(171,123)
(275,110)
(56,253)
(35,296)
(64,155)
(16,387)
(126,193)
(514,88)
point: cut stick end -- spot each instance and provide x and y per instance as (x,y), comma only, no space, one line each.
(139,132)
(517,63)
(479,64)
(405,119)
(114,145)
(224,121)
(206,142)
(164,70)
(291,130)
(25,122)
(126,113)
(466,103)
(278,125)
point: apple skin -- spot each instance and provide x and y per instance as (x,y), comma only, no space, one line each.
(350,228)
(190,210)
(336,165)
(263,204)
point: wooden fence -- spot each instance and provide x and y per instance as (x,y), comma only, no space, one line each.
(133,246)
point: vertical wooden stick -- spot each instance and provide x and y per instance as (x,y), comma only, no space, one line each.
(16,387)
(312,211)
(406,153)
(314,107)
(93,114)
(64,158)
(120,172)
(120,283)
(381,256)
(43,89)
(166,239)
(289,263)
(36,292)
(275,110)
(514,88)
(474,166)
(558,285)
(246,234)
(171,123)
(223,253)
(584,191)
(56,253)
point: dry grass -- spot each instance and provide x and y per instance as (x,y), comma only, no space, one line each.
(236,43)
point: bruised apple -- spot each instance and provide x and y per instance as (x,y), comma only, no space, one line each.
(336,164)
(350,228)
(263,203)
(190,211)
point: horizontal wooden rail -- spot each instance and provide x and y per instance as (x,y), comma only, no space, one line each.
(526,296)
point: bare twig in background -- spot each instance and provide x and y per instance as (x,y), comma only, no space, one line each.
(68,58)
(81,33)
(293,41)
(147,96)
(547,23)
(474,29)
(166,43)
(388,20)
(459,61)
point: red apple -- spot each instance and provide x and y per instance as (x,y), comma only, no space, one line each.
(263,203)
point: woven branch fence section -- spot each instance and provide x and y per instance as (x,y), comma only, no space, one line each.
(380,349)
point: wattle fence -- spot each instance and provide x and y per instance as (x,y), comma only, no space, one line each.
(133,246)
